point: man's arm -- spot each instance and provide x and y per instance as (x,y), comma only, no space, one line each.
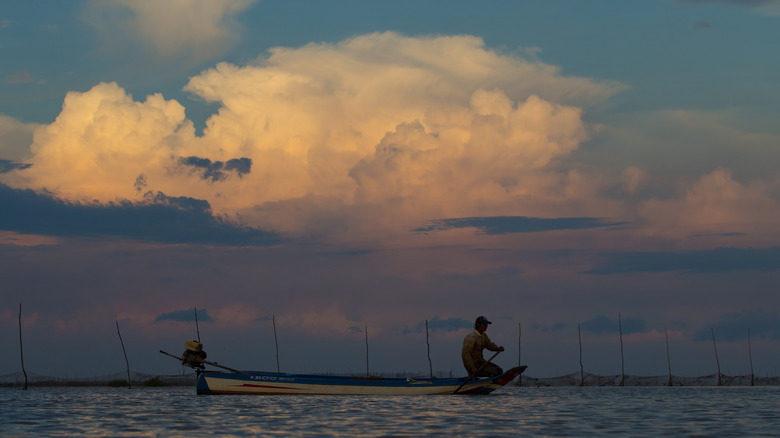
(490,345)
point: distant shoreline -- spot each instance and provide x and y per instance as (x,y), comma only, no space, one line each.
(575,379)
(111,380)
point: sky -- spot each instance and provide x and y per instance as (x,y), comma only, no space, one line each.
(326,178)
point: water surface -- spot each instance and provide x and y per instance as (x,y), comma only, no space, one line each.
(512,411)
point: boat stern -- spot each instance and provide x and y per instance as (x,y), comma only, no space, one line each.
(488,385)
(202,387)
(510,375)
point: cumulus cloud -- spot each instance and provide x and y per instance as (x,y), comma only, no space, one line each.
(15,138)
(378,131)
(102,141)
(634,178)
(181,29)
(381,133)
(716,204)
(687,142)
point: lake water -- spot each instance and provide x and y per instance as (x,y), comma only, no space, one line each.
(511,411)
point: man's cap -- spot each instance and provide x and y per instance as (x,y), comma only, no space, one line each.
(483,320)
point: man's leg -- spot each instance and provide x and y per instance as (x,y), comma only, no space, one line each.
(490,370)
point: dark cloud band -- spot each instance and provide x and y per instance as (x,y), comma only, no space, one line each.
(159,218)
(184,316)
(516,224)
(706,262)
(8,165)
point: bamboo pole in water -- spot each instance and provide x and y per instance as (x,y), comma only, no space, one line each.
(276,342)
(622,359)
(367,373)
(197,329)
(668,359)
(428,343)
(519,352)
(750,356)
(21,347)
(129,382)
(717,362)
(582,370)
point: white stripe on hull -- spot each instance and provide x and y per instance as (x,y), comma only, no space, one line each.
(233,386)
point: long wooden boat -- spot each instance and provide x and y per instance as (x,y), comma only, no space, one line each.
(257,382)
(261,382)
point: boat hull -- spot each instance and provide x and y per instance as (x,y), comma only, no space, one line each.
(262,383)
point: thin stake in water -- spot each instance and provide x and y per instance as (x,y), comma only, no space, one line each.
(668,358)
(367,373)
(582,369)
(717,362)
(276,342)
(197,329)
(21,348)
(750,356)
(519,354)
(622,360)
(430,364)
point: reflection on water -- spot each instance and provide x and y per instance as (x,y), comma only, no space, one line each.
(562,411)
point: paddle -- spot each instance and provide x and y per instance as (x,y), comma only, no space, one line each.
(471,376)
(209,363)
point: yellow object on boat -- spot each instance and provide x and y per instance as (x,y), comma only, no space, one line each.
(193,346)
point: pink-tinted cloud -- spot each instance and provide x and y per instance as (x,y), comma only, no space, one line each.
(175,29)
(717,204)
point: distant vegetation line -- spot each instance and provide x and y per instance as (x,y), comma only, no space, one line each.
(574,379)
(116,379)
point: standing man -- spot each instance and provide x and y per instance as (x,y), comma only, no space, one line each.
(473,345)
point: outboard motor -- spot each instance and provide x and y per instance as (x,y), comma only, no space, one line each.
(194,355)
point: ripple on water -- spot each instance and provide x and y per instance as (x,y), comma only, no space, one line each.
(572,411)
